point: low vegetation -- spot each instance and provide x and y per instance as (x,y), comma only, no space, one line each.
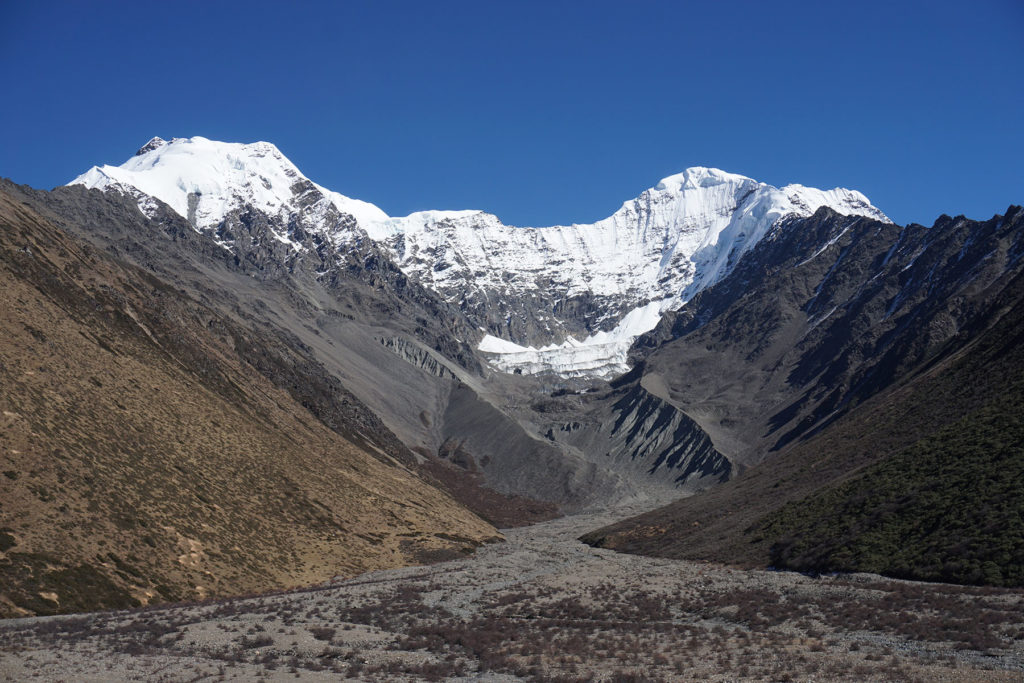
(154,449)
(948,508)
(666,627)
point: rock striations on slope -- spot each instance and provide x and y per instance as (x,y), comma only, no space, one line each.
(825,313)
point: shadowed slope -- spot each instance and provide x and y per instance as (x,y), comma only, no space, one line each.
(893,450)
(820,316)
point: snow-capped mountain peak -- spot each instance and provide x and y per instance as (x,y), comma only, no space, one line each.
(204,180)
(544,296)
(154,143)
(697,176)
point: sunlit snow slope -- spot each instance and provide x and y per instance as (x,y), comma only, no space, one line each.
(568,299)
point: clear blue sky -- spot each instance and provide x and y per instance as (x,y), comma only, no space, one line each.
(540,112)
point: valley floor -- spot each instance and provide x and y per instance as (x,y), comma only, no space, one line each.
(543,606)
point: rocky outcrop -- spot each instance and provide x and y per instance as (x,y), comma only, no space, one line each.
(626,429)
(418,356)
(655,435)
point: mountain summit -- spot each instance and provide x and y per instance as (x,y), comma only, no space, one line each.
(569,299)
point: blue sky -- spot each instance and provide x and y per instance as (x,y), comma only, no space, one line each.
(540,112)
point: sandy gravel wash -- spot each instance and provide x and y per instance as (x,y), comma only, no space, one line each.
(542,606)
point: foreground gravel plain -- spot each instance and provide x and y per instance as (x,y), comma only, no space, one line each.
(542,606)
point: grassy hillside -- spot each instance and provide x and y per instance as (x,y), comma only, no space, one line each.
(147,454)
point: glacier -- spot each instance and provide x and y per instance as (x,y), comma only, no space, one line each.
(602,354)
(652,255)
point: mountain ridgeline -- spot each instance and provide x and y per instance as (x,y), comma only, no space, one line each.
(227,378)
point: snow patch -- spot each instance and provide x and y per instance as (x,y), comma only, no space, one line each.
(603,354)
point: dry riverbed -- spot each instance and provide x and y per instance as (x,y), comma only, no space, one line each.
(543,606)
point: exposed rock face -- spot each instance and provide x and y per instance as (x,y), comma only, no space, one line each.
(624,427)
(654,434)
(418,356)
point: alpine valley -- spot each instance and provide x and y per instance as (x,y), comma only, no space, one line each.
(221,378)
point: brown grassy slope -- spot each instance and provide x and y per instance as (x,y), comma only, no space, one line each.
(725,523)
(142,460)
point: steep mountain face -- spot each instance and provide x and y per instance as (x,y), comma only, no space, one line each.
(565,298)
(156,446)
(909,468)
(622,427)
(824,313)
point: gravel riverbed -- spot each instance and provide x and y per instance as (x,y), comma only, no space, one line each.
(543,606)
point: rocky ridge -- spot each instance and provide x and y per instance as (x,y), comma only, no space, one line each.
(824,313)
